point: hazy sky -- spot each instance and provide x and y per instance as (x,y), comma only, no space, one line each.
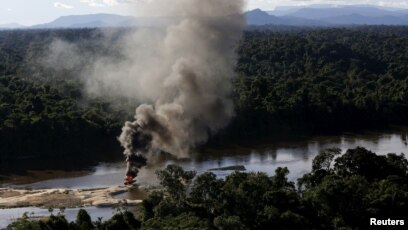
(29,12)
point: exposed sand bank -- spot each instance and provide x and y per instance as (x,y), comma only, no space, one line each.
(68,198)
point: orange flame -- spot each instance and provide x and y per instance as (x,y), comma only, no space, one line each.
(129,180)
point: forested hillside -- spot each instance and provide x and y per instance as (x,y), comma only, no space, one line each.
(289,80)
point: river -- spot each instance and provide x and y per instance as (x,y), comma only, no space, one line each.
(261,155)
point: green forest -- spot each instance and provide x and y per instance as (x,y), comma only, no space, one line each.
(321,80)
(43,112)
(343,191)
(289,80)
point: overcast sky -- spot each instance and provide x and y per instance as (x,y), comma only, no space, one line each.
(29,12)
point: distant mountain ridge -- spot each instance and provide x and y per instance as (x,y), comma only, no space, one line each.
(259,17)
(319,13)
(11,25)
(356,19)
(349,15)
(315,15)
(91,20)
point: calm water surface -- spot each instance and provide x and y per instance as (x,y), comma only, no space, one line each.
(262,155)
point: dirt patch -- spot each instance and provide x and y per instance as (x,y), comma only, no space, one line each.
(6,193)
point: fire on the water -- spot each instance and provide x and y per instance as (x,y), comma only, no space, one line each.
(129,180)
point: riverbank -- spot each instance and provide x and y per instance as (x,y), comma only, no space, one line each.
(65,198)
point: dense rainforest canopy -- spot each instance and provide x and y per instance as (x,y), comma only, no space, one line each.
(322,79)
(289,80)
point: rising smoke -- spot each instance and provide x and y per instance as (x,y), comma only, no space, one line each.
(193,85)
(183,72)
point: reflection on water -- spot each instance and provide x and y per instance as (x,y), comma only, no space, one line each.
(262,155)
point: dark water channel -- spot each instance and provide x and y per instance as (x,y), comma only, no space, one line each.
(262,155)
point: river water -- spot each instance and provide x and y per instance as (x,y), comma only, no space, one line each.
(261,155)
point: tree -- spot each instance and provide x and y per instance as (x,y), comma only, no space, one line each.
(83,220)
(321,167)
(175,181)
(123,221)
(229,223)
(187,221)
(205,192)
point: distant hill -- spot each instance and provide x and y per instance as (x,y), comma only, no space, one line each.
(316,11)
(286,10)
(319,13)
(103,20)
(11,26)
(259,17)
(91,20)
(357,19)
(347,15)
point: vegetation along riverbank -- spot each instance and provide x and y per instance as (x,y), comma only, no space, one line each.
(343,191)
